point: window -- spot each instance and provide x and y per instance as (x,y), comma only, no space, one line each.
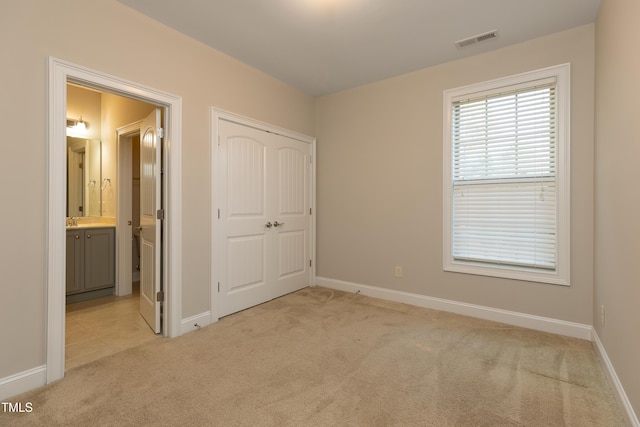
(506,177)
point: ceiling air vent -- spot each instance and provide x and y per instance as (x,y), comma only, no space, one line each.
(476,39)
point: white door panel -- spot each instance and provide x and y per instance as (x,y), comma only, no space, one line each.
(150,202)
(246,176)
(293,201)
(243,250)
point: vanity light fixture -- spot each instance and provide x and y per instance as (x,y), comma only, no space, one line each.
(77,125)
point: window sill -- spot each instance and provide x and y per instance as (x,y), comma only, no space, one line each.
(507,272)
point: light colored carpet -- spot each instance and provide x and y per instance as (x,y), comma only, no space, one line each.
(320,357)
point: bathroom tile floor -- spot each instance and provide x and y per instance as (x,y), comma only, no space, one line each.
(104,326)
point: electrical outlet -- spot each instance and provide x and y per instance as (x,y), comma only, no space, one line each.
(398,271)
(602,315)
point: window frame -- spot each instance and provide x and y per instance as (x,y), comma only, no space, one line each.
(561,274)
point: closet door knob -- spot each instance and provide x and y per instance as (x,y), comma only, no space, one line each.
(269,225)
(277,224)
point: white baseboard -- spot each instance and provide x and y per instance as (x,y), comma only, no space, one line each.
(545,324)
(196,322)
(627,410)
(22,382)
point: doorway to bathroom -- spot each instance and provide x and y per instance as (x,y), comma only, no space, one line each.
(163,139)
(104,314)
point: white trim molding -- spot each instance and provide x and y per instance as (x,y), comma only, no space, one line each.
(124,231)
(539,323)
(60,73)
(618,391)
(560,273)
(196,322)
(22,382)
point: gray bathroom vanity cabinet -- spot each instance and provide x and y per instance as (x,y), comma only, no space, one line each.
(90,262)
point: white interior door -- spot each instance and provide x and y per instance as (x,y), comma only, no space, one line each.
(265,221)
(291,204)
(150,204)
(245,259)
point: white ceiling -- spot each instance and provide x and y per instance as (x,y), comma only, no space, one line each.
(325,46)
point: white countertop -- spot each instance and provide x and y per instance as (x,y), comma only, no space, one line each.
(93,225)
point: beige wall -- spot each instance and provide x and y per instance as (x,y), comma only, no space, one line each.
(380,181)
(107,36)
(617,174)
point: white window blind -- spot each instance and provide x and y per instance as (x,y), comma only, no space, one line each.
(504,204)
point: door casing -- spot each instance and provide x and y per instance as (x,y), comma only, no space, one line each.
(60,73)
(124,230)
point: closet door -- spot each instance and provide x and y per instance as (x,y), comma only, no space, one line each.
(264,225)
(292,213)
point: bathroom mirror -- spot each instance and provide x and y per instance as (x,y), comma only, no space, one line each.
(84,177)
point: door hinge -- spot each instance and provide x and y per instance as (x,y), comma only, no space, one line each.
(310,211)
(160,133)
(160,296)
(160,214)
(310,263)
(218,213)
(218,286)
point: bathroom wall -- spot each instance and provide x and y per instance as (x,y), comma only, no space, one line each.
(117,111)
(105,113)
(87,104)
